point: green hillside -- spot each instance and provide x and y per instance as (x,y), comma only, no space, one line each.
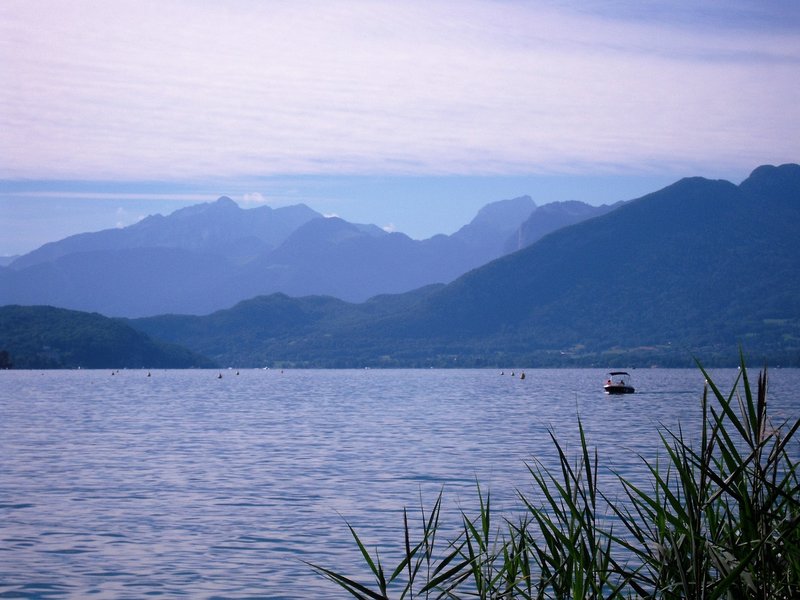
(42,337)
(276,331)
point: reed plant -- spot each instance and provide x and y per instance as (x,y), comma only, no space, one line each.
(719,517)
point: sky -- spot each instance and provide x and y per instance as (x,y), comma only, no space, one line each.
(411,115)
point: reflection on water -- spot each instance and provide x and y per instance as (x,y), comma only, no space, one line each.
(120,485)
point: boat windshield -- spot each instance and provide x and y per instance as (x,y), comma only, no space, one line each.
(618,378)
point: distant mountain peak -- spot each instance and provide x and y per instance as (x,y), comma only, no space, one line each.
(497,219)
(332,229)
(788,169)
(221,204)
(225,201)
(219,227)
(549,217)
(503,213)
(781,181)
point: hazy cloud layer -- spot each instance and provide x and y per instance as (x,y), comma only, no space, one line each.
(177,90)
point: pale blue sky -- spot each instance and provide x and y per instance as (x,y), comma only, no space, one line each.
(408,115)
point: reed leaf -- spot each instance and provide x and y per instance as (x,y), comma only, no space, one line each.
(721,520)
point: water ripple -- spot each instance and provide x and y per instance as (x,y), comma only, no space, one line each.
(183,485)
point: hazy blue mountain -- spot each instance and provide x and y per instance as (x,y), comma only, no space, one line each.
(696,268)
(220,228)
(7,260)
(38,337)
(210,256)
(479,241)
(494,223)
(131,281)
(552,217)
(161,264)
(336,258)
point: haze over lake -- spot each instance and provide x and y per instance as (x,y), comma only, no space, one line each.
(179,483)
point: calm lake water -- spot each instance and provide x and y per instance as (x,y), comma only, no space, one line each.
(183,484)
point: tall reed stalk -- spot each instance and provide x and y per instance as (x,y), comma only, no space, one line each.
(718,519)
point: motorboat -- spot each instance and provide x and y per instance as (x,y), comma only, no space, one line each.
(618,382)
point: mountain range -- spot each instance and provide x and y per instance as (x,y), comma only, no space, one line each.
(698,268)
(210,256)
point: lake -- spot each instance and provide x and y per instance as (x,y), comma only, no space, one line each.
(180,483)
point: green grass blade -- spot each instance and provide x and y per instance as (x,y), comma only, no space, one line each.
(354,588)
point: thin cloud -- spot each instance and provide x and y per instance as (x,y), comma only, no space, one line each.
(179,90)
(254,198)
(66,194)
(125,218)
